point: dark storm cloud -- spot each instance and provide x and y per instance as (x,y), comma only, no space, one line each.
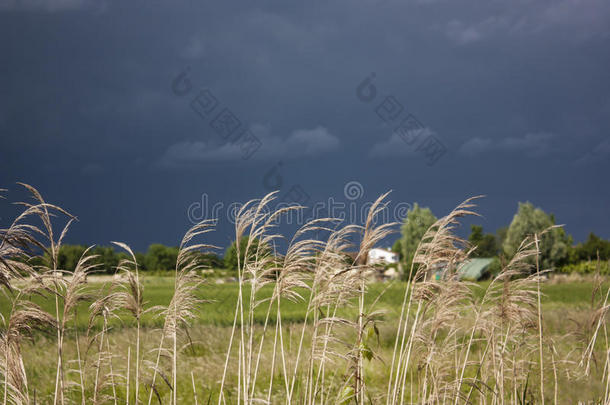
(532,145)
(43,5)
(301,143)
(514,90)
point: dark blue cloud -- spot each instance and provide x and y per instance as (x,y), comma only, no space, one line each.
(517,93)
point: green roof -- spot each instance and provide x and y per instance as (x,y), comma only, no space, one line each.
(474,269)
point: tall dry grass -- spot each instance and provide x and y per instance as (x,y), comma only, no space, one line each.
(447,346)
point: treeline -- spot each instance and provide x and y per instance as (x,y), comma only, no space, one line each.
(558,251)
(157,258)
(580,258)
(490,245)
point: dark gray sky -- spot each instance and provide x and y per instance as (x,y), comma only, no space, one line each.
(518,94)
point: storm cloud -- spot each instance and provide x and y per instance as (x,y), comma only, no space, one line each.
(517,93)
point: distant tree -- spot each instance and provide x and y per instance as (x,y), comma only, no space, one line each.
(211,260)
(486,243)
(69,255)
(160,257)
(141,260)
(528,220)
(230,258)
(397,248)
(567,241)
(590,249)
(417,222)
(501,236)
(107,258)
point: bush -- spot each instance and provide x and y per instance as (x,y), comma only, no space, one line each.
(588,267)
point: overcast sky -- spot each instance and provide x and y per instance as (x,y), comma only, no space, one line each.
(131,114)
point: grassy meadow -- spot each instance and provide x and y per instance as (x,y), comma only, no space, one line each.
(306,326)
(565,306)
(218,301)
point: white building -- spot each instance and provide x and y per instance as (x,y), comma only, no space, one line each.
(378,255)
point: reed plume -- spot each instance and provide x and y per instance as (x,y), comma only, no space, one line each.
(184,302)
(24,320)
(453,342)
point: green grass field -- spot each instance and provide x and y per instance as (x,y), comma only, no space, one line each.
(219,300)
(564,305)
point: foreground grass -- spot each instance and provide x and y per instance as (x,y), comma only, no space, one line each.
(517,339)
(204,354)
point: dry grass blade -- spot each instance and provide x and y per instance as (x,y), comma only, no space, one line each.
(453,343)
(25,319)
(184,302)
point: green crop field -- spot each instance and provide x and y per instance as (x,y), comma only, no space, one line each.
(219,300)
